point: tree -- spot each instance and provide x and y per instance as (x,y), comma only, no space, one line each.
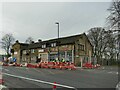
(29,40)
(6,42)
(114,17)
(103,42)
(114,22)
(96,36)
(110,45)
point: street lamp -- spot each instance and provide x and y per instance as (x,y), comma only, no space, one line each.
(58,39)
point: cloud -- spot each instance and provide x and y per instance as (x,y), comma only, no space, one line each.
(37,19)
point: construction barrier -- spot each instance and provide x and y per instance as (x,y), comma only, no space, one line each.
(52,65)
(57,65)
(90,66)
(32,66)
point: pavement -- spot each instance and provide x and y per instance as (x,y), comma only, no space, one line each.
(23,77)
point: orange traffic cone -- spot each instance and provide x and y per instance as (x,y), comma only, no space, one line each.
(54,86)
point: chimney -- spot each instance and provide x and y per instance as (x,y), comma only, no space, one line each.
(39,40)
(17,41)
(32,41)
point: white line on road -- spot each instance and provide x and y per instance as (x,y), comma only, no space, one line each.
(2,86)
(40,81)
(118,86)
(6,69)
(112,72)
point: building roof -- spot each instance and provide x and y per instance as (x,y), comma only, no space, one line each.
(66,40)
(61,40)
(35,45)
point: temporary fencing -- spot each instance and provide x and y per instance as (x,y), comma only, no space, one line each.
(90,66)
(57,65)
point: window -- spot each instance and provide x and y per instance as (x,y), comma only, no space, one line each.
(32,50)
(81,47)
(44,46)
(24,52)
(53,44)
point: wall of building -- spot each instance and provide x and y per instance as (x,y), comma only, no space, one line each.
(80,50)
(16,53)
(83,54)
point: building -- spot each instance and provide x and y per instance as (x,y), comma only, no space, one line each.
(72,48)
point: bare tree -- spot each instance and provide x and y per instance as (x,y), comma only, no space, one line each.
(103,42)
(29,40)
(96,36)
(114,22)
(6,42)
(114,17)
(110,45)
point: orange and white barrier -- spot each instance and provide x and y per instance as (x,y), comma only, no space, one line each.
(53,65)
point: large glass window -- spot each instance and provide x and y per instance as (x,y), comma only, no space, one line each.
(69,56)
(43,56)
(32,50)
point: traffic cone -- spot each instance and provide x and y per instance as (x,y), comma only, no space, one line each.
(54,86)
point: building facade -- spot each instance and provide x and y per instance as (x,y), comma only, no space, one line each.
(74,49)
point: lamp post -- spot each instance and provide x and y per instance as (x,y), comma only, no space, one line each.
(58,39)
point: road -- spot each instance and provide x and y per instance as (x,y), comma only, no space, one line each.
(22,77)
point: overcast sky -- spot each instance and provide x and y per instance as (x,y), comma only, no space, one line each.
(37,19)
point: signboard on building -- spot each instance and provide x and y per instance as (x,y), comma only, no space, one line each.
(41,50)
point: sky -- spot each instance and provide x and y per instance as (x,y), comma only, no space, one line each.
(37,19)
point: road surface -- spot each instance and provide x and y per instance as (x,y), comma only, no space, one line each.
(22,77)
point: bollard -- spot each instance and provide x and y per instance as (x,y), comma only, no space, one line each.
(54,86)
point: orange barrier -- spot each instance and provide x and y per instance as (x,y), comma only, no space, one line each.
(90,66)
(5,64)
(32,66)
(52,65)
(57,65)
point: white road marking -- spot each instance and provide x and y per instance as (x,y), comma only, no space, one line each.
(112,72)
(40,81)
(116,72)
(118,86)
(6,69)
(2,86)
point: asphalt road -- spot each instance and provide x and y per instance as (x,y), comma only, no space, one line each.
(22,77)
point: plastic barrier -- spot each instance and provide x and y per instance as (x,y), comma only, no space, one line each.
(57,65)
(31,66)
(5,64)
(90,66)
(44,65)
(52,65)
